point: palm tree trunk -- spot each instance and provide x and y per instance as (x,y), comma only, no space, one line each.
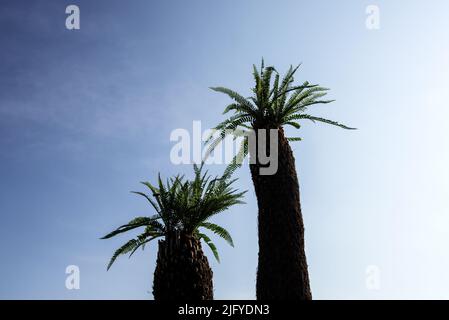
(182,270)
(282,271)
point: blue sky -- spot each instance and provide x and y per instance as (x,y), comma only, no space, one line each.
(85,115)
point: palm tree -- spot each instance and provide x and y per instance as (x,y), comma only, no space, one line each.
(282,272)
(183,208)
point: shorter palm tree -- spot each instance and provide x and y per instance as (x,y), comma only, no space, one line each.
(183,208)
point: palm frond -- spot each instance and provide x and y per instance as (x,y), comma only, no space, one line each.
(243,103)
(210,244)
(183,205)
(334,123)
(274,104)
(153,204)
(219,231)
(127,247)
(237,161)
(133,224)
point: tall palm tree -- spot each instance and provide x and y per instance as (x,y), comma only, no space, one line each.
(183,208)
(282,272)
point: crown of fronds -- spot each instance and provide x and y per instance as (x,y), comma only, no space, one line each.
(275,103)
(182,205)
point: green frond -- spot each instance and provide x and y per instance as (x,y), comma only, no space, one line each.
(267,81)
(142,242)
(275,103)
(127,247)
(293,124)
(153,204)
(210,244)
(238,158)
(152,188)
(334,123)
(219,231)
(223,126)
(256,76)
(132,245)
(233,106)
(242,101)
(133,224)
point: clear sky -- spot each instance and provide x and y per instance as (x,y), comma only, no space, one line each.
(87,114)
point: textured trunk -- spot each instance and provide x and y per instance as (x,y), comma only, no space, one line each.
(282,271)
(182,270)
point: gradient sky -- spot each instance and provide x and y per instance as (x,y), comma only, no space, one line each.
(85,115)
